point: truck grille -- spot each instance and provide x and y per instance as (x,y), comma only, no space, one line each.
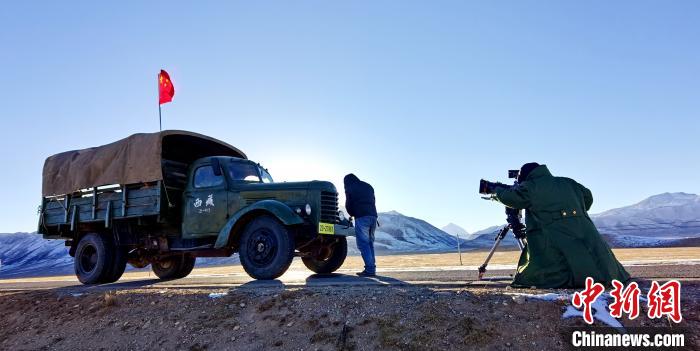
(329,207)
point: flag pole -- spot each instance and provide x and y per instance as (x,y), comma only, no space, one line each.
(160,118)
(459,250)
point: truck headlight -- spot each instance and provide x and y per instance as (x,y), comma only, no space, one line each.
(308,210)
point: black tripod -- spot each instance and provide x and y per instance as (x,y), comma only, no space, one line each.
(518,228)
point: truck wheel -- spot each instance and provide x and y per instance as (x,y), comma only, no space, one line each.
(328,258)
(174,267)
(118,265)
(266,249)
(93,259)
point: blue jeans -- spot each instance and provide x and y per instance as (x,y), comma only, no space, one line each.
(364,235)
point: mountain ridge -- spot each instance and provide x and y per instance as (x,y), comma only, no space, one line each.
(455,230)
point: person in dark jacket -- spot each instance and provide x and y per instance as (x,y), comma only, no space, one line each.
(563,245)
(359,202)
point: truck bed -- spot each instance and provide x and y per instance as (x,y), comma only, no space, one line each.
(103,204)
(62,214)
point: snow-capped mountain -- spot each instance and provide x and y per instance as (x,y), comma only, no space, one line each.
(485,238)
(669,214)
(23,254)
(669,219)
(399,233)
(456,230)
(664,219)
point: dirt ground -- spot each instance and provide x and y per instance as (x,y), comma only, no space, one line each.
(324,318)
(286,317)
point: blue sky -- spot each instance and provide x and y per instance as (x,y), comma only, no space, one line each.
(421,99)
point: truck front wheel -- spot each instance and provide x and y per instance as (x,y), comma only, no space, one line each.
(174,267)
(94,259)
(328,258)
(266,249)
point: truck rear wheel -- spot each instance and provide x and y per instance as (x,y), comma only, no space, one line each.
(94,259)
(118,265)
(174,267)
(266,249)
(328,258)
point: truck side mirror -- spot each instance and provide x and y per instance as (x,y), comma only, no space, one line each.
(216,165)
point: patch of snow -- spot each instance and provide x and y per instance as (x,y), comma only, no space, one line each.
(599,306)
(600,312)
(544,297)
(217,295)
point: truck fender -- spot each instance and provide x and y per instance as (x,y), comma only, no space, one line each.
(281,211)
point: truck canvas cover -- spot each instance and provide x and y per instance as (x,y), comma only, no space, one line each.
(135,159)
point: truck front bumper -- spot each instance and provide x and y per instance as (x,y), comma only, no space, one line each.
(336,229)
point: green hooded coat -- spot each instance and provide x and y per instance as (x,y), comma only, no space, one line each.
(563,245)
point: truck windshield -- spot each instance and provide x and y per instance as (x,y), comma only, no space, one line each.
(244,172)
(266,177)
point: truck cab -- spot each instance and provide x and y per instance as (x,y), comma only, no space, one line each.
(224,193)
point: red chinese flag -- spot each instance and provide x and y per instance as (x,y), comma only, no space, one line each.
(166,90)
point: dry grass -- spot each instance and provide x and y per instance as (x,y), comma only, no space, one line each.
(475,258)
(110,299)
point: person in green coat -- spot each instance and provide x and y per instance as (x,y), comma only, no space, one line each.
(563,245)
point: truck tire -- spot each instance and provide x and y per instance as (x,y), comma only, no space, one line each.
(174,267)
(329,262)
(93,259)
(118,265)
(266,249)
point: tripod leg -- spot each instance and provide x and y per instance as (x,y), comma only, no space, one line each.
(501,235)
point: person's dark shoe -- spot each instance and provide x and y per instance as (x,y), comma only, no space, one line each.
(366,274)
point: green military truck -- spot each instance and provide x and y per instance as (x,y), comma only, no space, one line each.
(166,198)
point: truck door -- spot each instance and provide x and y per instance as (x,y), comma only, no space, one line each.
(243,176)
(205,203)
